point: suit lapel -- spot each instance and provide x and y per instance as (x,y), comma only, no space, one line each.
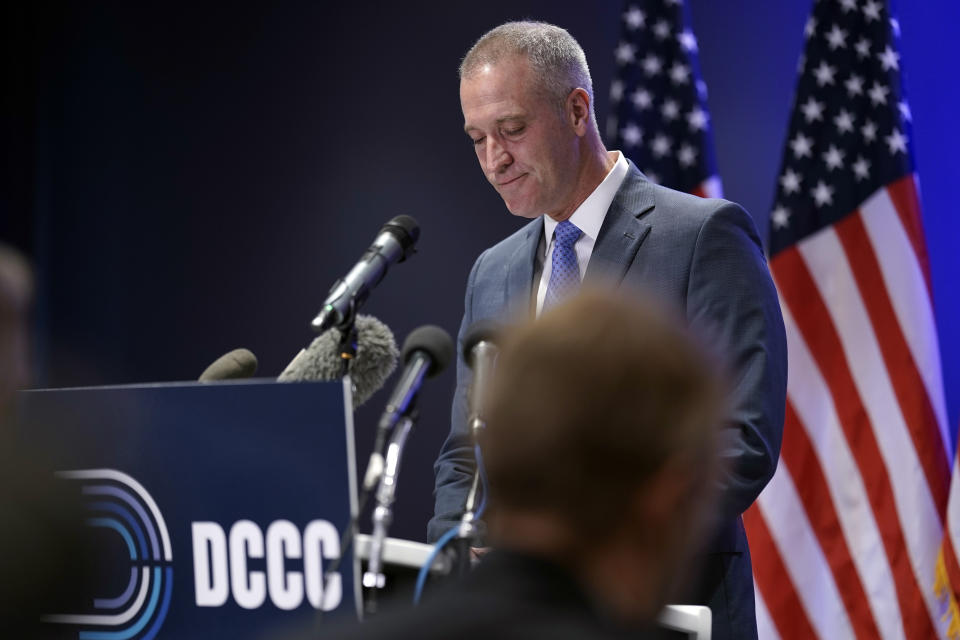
(617,244)
(520,268)
(623,230)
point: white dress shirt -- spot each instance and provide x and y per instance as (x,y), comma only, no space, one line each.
(588,217)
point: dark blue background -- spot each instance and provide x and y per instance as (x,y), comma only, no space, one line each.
(191,178)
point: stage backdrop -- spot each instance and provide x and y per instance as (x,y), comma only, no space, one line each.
(192,178)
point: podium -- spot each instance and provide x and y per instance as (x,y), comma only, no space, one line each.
(215,508)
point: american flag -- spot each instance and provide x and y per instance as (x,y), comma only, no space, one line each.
(660,118)
(947,586)
(845,537)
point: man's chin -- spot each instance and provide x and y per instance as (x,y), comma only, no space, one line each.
(521,211)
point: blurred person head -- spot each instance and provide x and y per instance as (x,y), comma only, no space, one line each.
(43,557)
(527,101)
(601,447)
(16,294)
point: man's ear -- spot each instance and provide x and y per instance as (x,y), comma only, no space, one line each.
(578,110)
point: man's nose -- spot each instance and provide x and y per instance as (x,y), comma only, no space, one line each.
(497,158)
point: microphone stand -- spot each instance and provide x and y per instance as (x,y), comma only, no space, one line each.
(348,351)
(348,347)
(373,577)
(469,530)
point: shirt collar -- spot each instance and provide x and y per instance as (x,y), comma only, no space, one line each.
(589,216)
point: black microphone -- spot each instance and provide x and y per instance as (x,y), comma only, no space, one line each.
(375,360)
(426,352)
(239,363)
(480,353)
(394,243)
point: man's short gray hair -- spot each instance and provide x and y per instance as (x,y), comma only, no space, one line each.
(555,56)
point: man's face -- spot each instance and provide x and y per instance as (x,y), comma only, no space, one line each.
(526,148)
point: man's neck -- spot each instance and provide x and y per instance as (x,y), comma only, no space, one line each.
(597,163)
(605,570)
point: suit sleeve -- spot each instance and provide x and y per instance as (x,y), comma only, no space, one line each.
(731,301)
(453,470)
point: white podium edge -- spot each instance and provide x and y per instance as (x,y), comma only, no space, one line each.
(689,618)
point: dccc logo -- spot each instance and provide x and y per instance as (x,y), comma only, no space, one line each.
(119,503)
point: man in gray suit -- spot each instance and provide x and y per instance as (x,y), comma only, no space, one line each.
(527,102)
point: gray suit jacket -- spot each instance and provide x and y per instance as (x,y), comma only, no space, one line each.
(705,257)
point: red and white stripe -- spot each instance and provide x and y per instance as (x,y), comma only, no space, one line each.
(845,538)
(712,187)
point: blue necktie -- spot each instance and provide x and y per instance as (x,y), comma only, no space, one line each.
(565,272)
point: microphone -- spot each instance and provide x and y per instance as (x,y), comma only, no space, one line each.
(239,363)
(394,243)
(426,352)
(480,352)
(375,360)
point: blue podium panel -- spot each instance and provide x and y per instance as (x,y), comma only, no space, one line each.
(214,507)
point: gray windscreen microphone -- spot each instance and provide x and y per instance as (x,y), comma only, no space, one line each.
(375,360)
(239,363)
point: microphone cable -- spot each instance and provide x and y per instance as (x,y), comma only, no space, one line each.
(451,534)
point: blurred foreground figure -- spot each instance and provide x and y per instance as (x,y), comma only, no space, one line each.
(41,550)
(16,292)
(601,455)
